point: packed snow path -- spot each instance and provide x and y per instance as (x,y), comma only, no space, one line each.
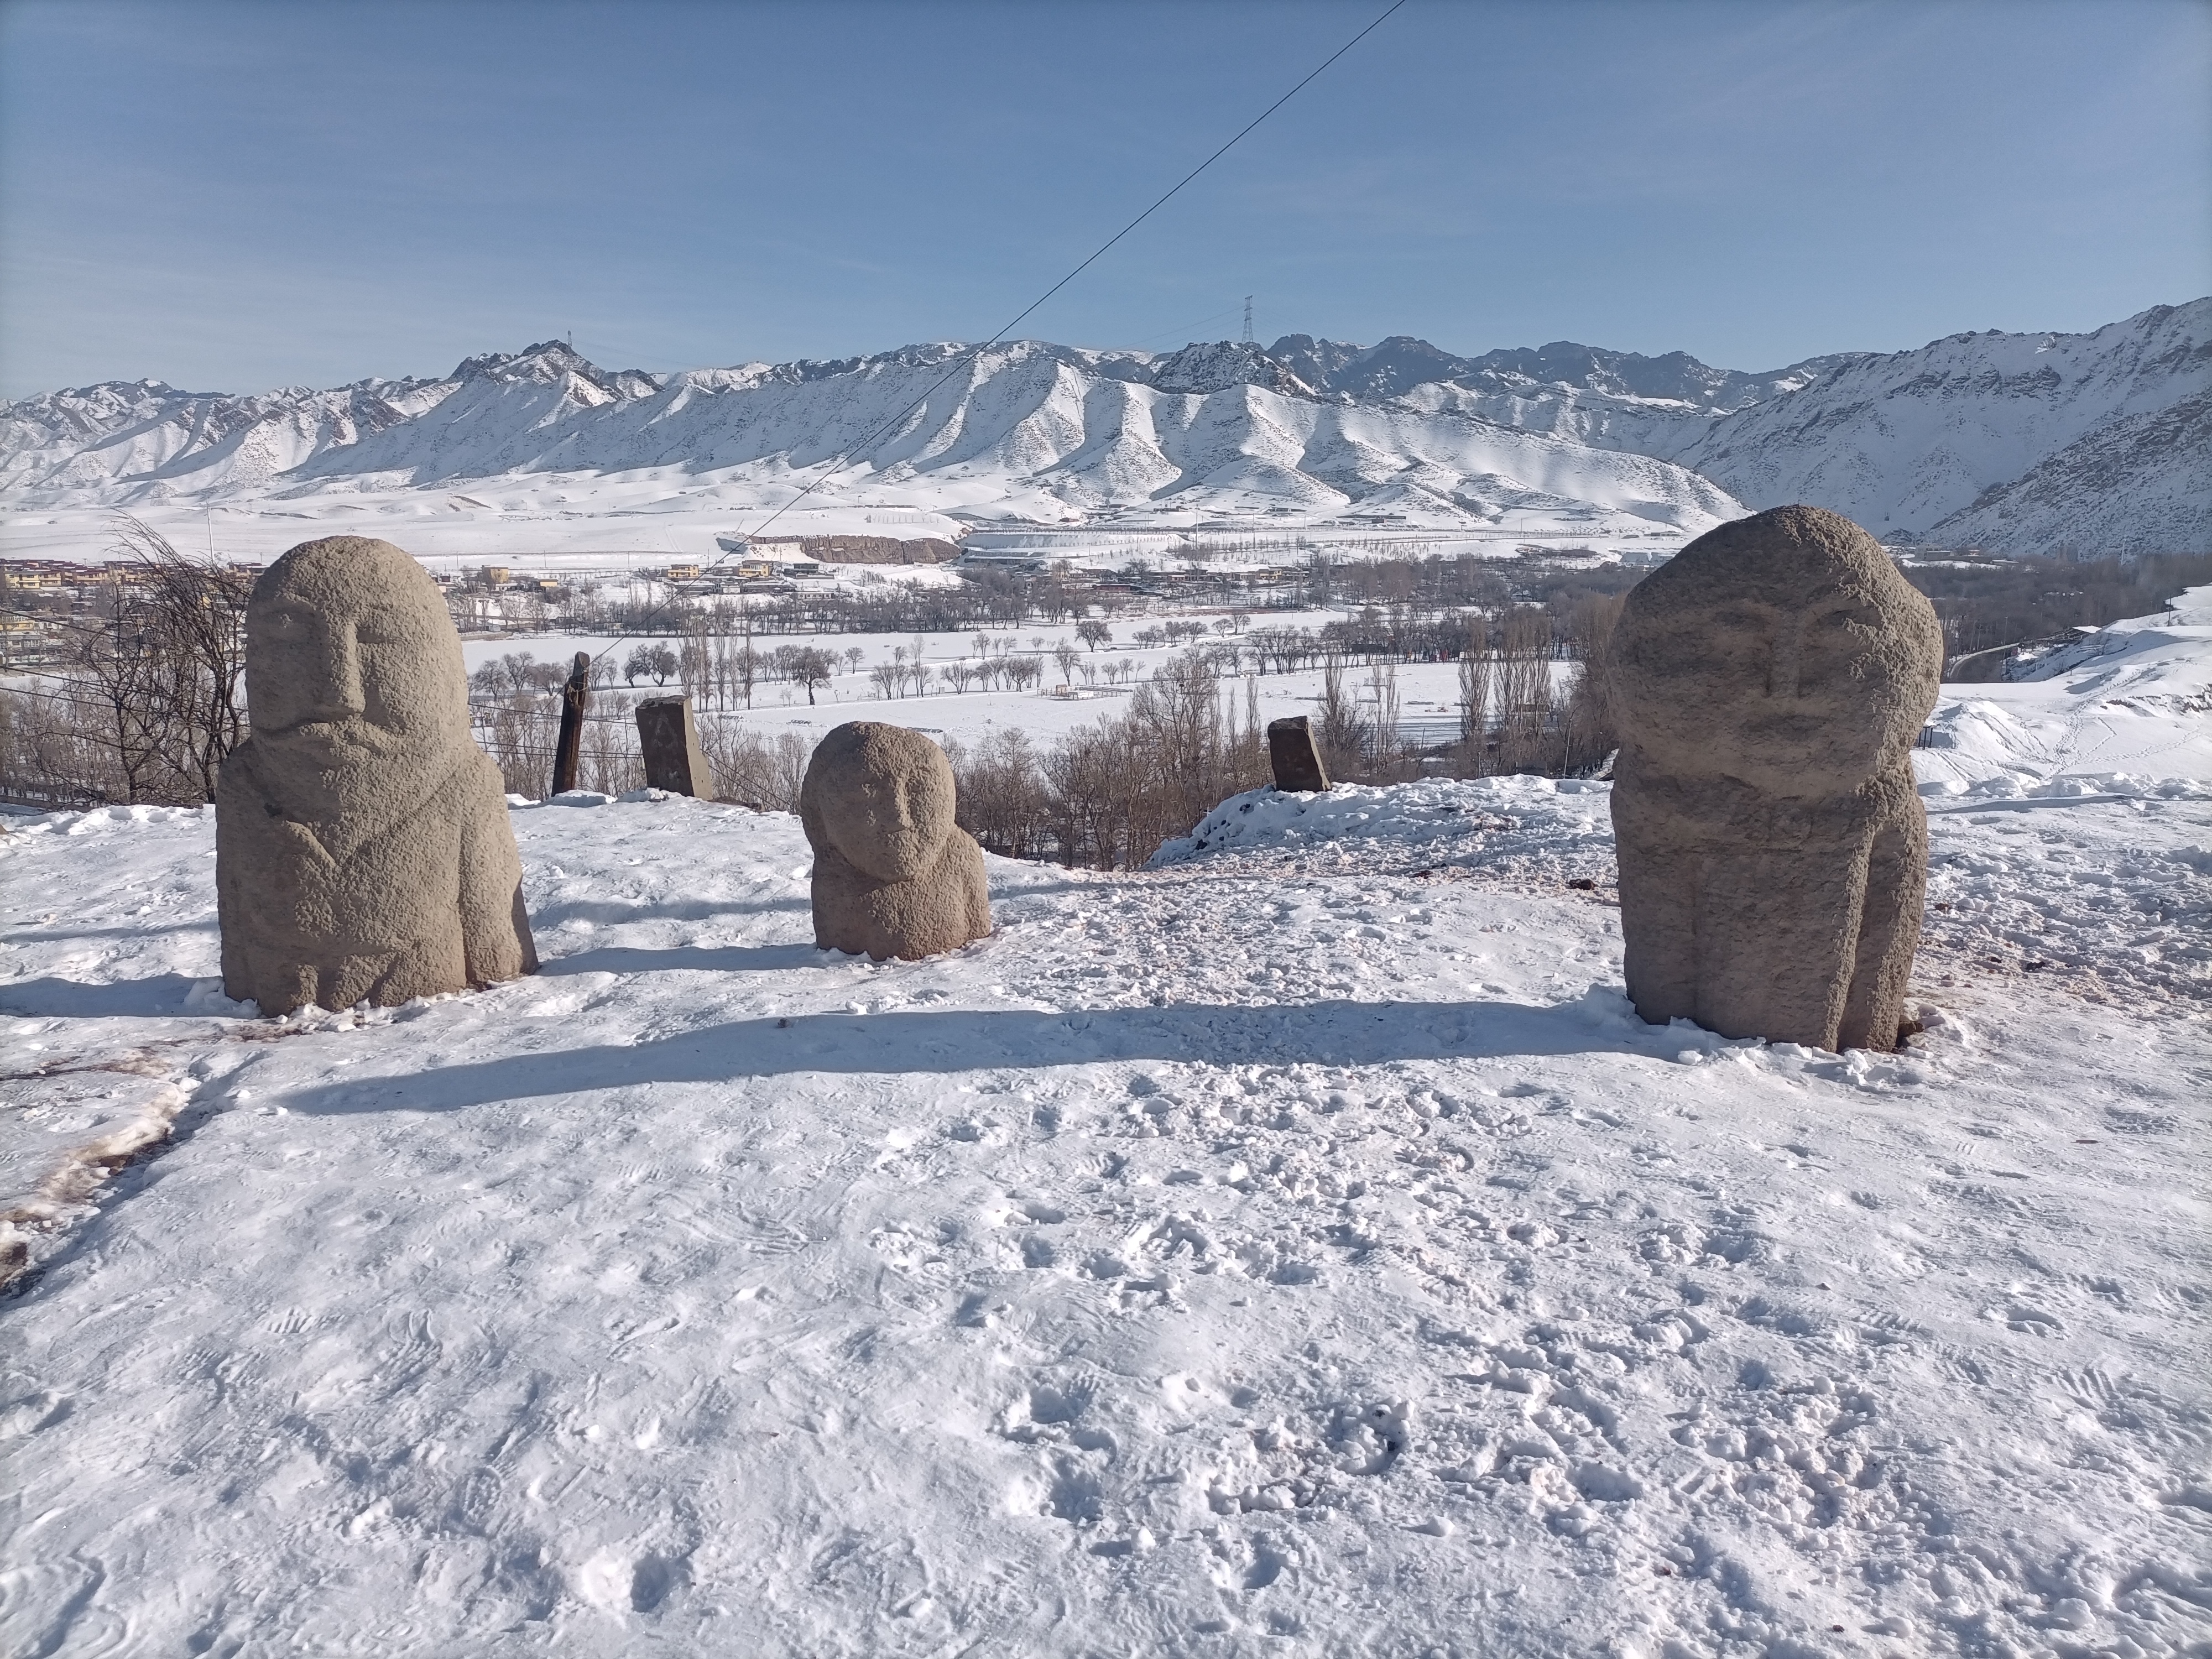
(1300,1248)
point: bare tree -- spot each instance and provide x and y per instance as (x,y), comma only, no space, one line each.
(804,666)
(1474,704)
(163,661)
(792,754)
(121,687)
(1385,759)
(652,658)
(1342,729)
(1524,690)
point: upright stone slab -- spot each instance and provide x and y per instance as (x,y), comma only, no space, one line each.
(894,876)
(363,847)
(670,738)
(1294,755)
(1769,682)
(575,701)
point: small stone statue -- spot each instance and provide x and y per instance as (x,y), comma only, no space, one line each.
(893,875)
(363,847)
(1769,682)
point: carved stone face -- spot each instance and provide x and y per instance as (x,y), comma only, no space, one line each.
(1789,655)
(349,649)
(883,796)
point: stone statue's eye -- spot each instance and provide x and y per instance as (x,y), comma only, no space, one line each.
(367,632)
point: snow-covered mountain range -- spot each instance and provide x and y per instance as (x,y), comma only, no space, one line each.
(2019,442)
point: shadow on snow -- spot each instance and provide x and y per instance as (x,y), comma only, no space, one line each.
(1338,1033)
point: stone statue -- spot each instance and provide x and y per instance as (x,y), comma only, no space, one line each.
(1768,684)
(363,847)
(893,875)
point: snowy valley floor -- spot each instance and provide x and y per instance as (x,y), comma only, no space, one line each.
(1299,1249)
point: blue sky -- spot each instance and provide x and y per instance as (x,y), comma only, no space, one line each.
(231,197)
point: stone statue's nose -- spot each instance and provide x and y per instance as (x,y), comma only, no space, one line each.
(337,686)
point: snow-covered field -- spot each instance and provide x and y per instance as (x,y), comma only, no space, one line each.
(1300,1248)
(1428,693)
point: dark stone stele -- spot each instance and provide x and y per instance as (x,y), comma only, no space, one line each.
(669,737)
(1768,682)
(1295,757)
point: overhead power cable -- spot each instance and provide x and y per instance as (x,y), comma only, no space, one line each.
(1183,332)
(830,469)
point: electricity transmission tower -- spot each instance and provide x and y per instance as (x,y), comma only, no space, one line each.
(1247,320)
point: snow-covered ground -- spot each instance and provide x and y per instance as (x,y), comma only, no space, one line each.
(534,530)
(1300,1248)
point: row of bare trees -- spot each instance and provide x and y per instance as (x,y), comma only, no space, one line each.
(520,732)
(1513,716)
(152,702)
(1108,794)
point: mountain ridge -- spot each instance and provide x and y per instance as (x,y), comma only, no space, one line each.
(2008,440)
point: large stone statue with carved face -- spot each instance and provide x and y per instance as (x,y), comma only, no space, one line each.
(894,876)
(1768,684)
(362,848)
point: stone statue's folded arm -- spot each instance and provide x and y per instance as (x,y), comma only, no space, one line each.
(495,938)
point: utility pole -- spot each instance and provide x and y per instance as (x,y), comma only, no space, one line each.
(1247,320)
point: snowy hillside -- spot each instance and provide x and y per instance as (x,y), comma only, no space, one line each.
(2023,442)
(1611,399)
(2003,439)
(2141,483)
(145,441)
(1298,1248)
(2013,442)
(1401,363)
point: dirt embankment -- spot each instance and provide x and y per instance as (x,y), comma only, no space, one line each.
(878,549)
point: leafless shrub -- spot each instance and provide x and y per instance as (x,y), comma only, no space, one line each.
(1108,794)
(518,731)
(152,698)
